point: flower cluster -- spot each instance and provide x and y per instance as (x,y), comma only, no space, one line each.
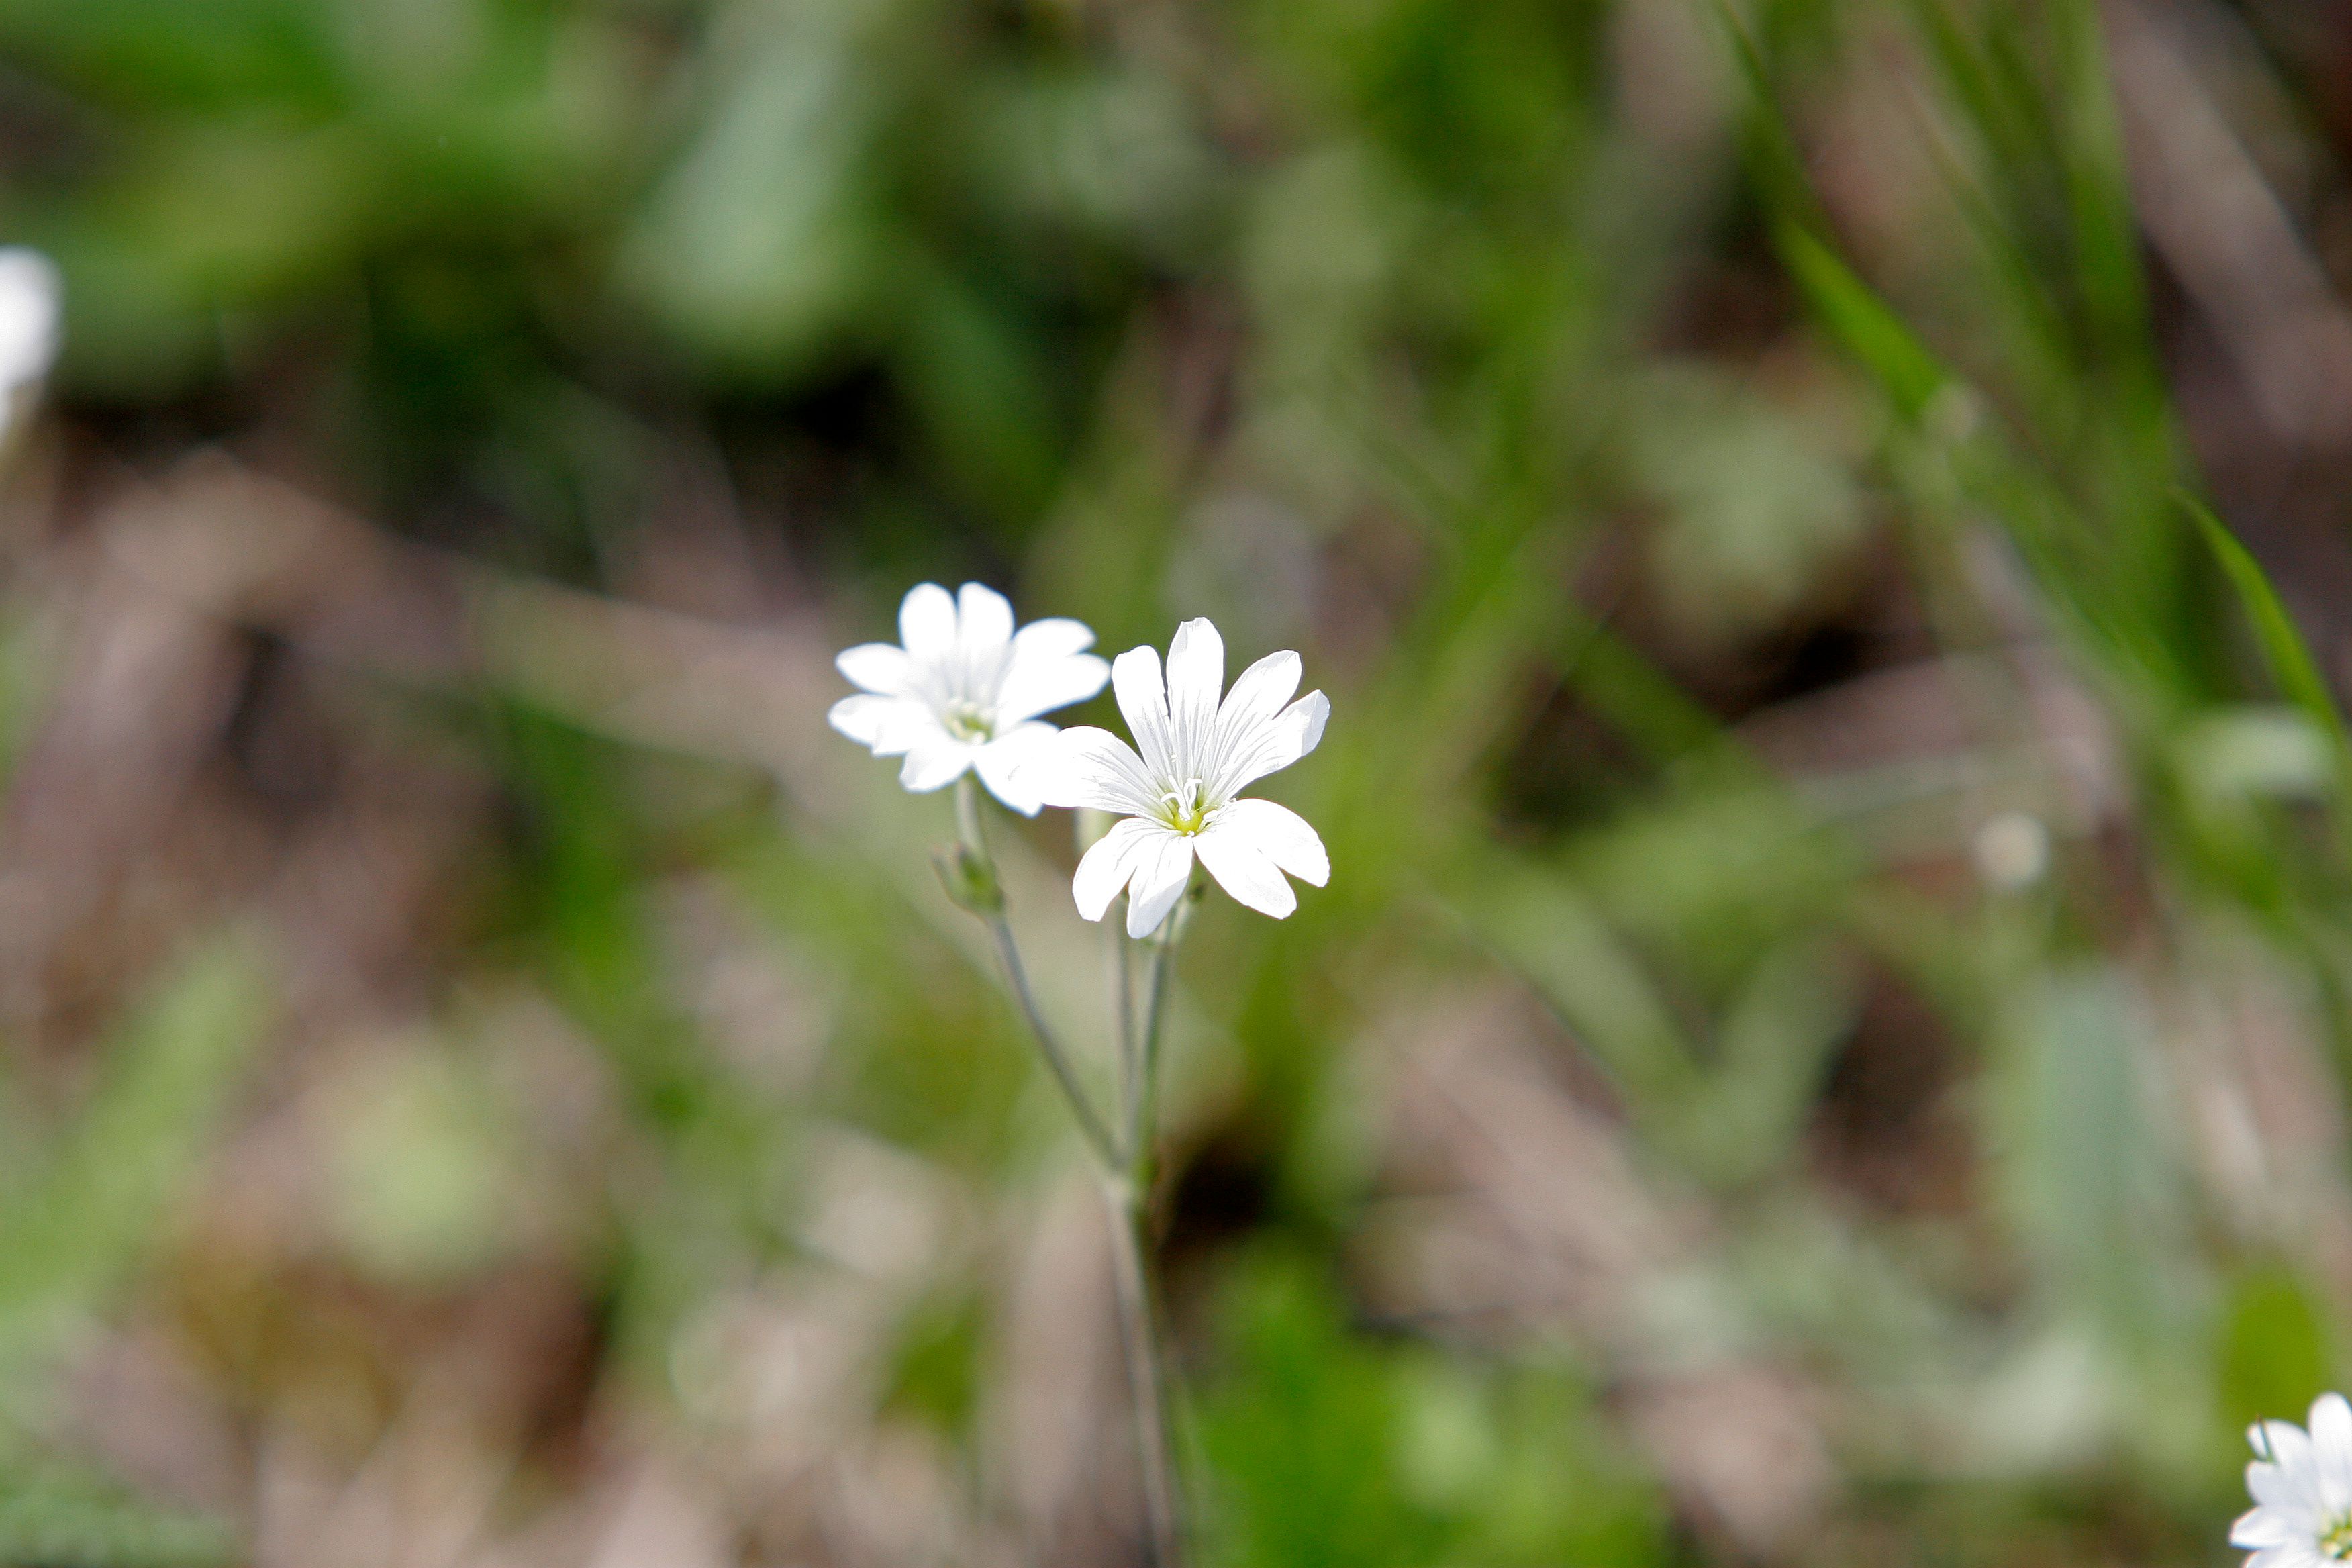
(965,691)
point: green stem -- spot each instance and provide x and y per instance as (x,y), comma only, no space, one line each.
(1125,1208)
(1126,1164)
(1143,1105)
(1090,1122)
(1129,1202)
(1123,1011)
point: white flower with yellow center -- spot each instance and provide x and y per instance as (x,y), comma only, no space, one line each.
(1179,796)
(964,690)
(2302,1487)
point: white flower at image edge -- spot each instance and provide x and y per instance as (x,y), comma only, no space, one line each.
(965,689)
(29,296)
(2302,1487)
(1179,796)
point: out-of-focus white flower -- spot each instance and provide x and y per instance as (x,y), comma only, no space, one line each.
(2301,1486)
(29,297)
(965,689)
(1178,798)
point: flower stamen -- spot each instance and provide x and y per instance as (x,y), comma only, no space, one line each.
(1183,809)
(966,720)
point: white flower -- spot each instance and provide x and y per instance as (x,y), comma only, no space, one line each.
(2302,1487)
(29,294)
(1179,796)
(965,689)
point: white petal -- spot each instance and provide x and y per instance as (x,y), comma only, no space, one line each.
(1040,685)
(864,717)
(1160,874)
(1003,765)
(876,666)
(1245,870)
(2331,1442)
(1086,766)
(927,626)
(1278,832)
(1309,715)
(983,623)
(1135,677)
(2268,1485)
(2293,1554)
(1274,745)
(1259,690)
(900,725)
(1105,867)
(1196,678)
(2272,1527)
(1053,637)
(935,763)
(2298,1466)
(29,294)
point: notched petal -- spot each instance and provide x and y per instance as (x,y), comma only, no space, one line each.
(984,622)
(1196,678)
(1281,835)
(1245,871)
(926,623)
(1109,863)
(1143,703)
(1161,876)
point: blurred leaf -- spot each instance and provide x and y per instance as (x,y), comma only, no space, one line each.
(1759,512)
(1333,1447)
(1561,942)
(2276,1354)
(1867,328)
(422,1168)
(61,1521)
(2283,648)
(2088,1175)
(761,244)
(89,1216)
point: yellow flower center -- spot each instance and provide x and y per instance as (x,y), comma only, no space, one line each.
(2337,1542)
(965,722)
(1183,809)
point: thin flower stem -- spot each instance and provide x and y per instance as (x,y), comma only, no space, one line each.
(1090,1122)
(1126,1171)
(1122,1003)
(1130,1201)
(1143,1107)
(1124,1205)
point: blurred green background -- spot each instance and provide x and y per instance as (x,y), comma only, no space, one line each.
(1828,1036)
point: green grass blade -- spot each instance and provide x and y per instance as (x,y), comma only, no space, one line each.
(2285,651)
(1863,323)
